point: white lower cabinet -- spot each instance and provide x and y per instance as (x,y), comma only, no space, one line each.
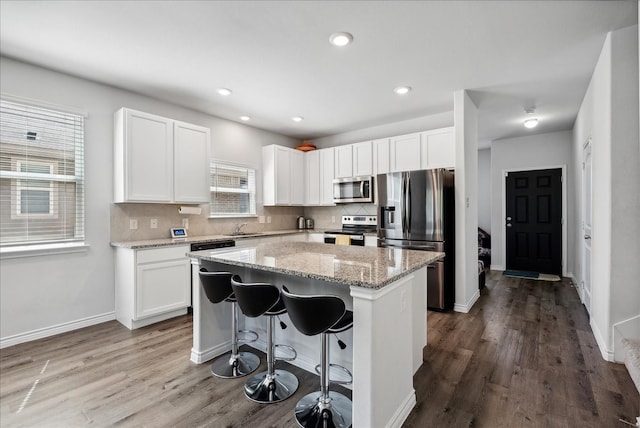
(152,284)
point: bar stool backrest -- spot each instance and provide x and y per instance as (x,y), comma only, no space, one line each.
(313,314)
(254,298)
(216,285)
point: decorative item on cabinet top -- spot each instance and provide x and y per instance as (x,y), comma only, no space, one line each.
(306,146)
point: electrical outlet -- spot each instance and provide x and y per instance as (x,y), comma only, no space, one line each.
(185,223)
(153,224)
(333,219)
(268,219)
(261,219)
(133,223)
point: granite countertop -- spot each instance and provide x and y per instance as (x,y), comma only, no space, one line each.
(165,242)
(368,267)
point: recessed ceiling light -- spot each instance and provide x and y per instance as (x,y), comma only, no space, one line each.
(402,90)
(340,39)
(531,122)
(297,118)
(224,92)
(245,118)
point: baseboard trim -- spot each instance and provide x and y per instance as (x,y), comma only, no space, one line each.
(607,354)
(626,329)
(56,329)
(209,354)
(497,267)
(402,412)
(465,308)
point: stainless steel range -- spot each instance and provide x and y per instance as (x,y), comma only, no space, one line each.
(353,229)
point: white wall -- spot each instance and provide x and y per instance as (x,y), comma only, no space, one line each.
(424,123)
(609,117)
(466,198)
(46,295)
(484,189)
(540,151)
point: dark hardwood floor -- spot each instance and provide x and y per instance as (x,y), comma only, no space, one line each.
(524,356)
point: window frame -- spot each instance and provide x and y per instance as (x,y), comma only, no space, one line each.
(33,246)
(23,184)
(215,163)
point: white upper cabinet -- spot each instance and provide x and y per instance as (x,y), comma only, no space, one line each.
(344,161)
(326,175)
(159,160)
(362,159)
(297,177)
(438,149)
(381,156)
(319,166)
(191,144)
(283,176)
(312,174)
(405,153)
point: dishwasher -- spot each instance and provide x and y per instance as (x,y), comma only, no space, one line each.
(212,245)
(200,246)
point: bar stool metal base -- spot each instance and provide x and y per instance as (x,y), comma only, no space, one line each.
(312,411)
(227,367)
(265,388)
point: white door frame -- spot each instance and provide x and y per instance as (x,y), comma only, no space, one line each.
(564,211)
(586,270)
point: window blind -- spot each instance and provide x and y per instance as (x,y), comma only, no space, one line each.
(41,175)
(233,190)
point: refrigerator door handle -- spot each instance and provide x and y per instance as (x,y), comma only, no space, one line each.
(403,199)
(408,203)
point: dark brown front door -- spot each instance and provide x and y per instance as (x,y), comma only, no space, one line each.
(534,221)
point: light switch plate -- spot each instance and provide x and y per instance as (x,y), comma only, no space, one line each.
(154,223)
(133,223)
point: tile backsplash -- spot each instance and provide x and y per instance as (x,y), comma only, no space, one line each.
(167,215)
(331,217)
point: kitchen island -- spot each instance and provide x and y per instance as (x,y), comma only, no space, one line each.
(385,288)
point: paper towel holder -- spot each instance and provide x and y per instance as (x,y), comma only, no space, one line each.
(190,210)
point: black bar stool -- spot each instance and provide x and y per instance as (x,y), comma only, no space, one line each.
(217,287)
(325,315)
(257,299)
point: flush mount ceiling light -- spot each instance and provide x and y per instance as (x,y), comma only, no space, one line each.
(297,118)
(340,39)
(402,90)
(224,91)
(530,122)
(245,118)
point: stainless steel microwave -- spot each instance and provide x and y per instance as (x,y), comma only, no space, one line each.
(354,189)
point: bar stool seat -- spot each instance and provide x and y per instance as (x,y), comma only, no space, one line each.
(325,315)
(217,288)
(256,299)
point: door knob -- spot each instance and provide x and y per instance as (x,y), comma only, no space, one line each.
(508,218)
(508,224)
(587,236)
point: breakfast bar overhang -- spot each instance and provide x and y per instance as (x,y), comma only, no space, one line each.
(385,288)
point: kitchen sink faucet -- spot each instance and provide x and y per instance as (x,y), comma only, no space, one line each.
(238,227)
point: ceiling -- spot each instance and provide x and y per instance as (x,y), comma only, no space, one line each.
(276,58)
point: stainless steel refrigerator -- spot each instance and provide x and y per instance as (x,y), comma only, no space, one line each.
(417,211)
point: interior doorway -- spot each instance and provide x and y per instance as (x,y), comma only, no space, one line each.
(534,221)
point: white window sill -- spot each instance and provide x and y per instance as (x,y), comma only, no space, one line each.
(43,250)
